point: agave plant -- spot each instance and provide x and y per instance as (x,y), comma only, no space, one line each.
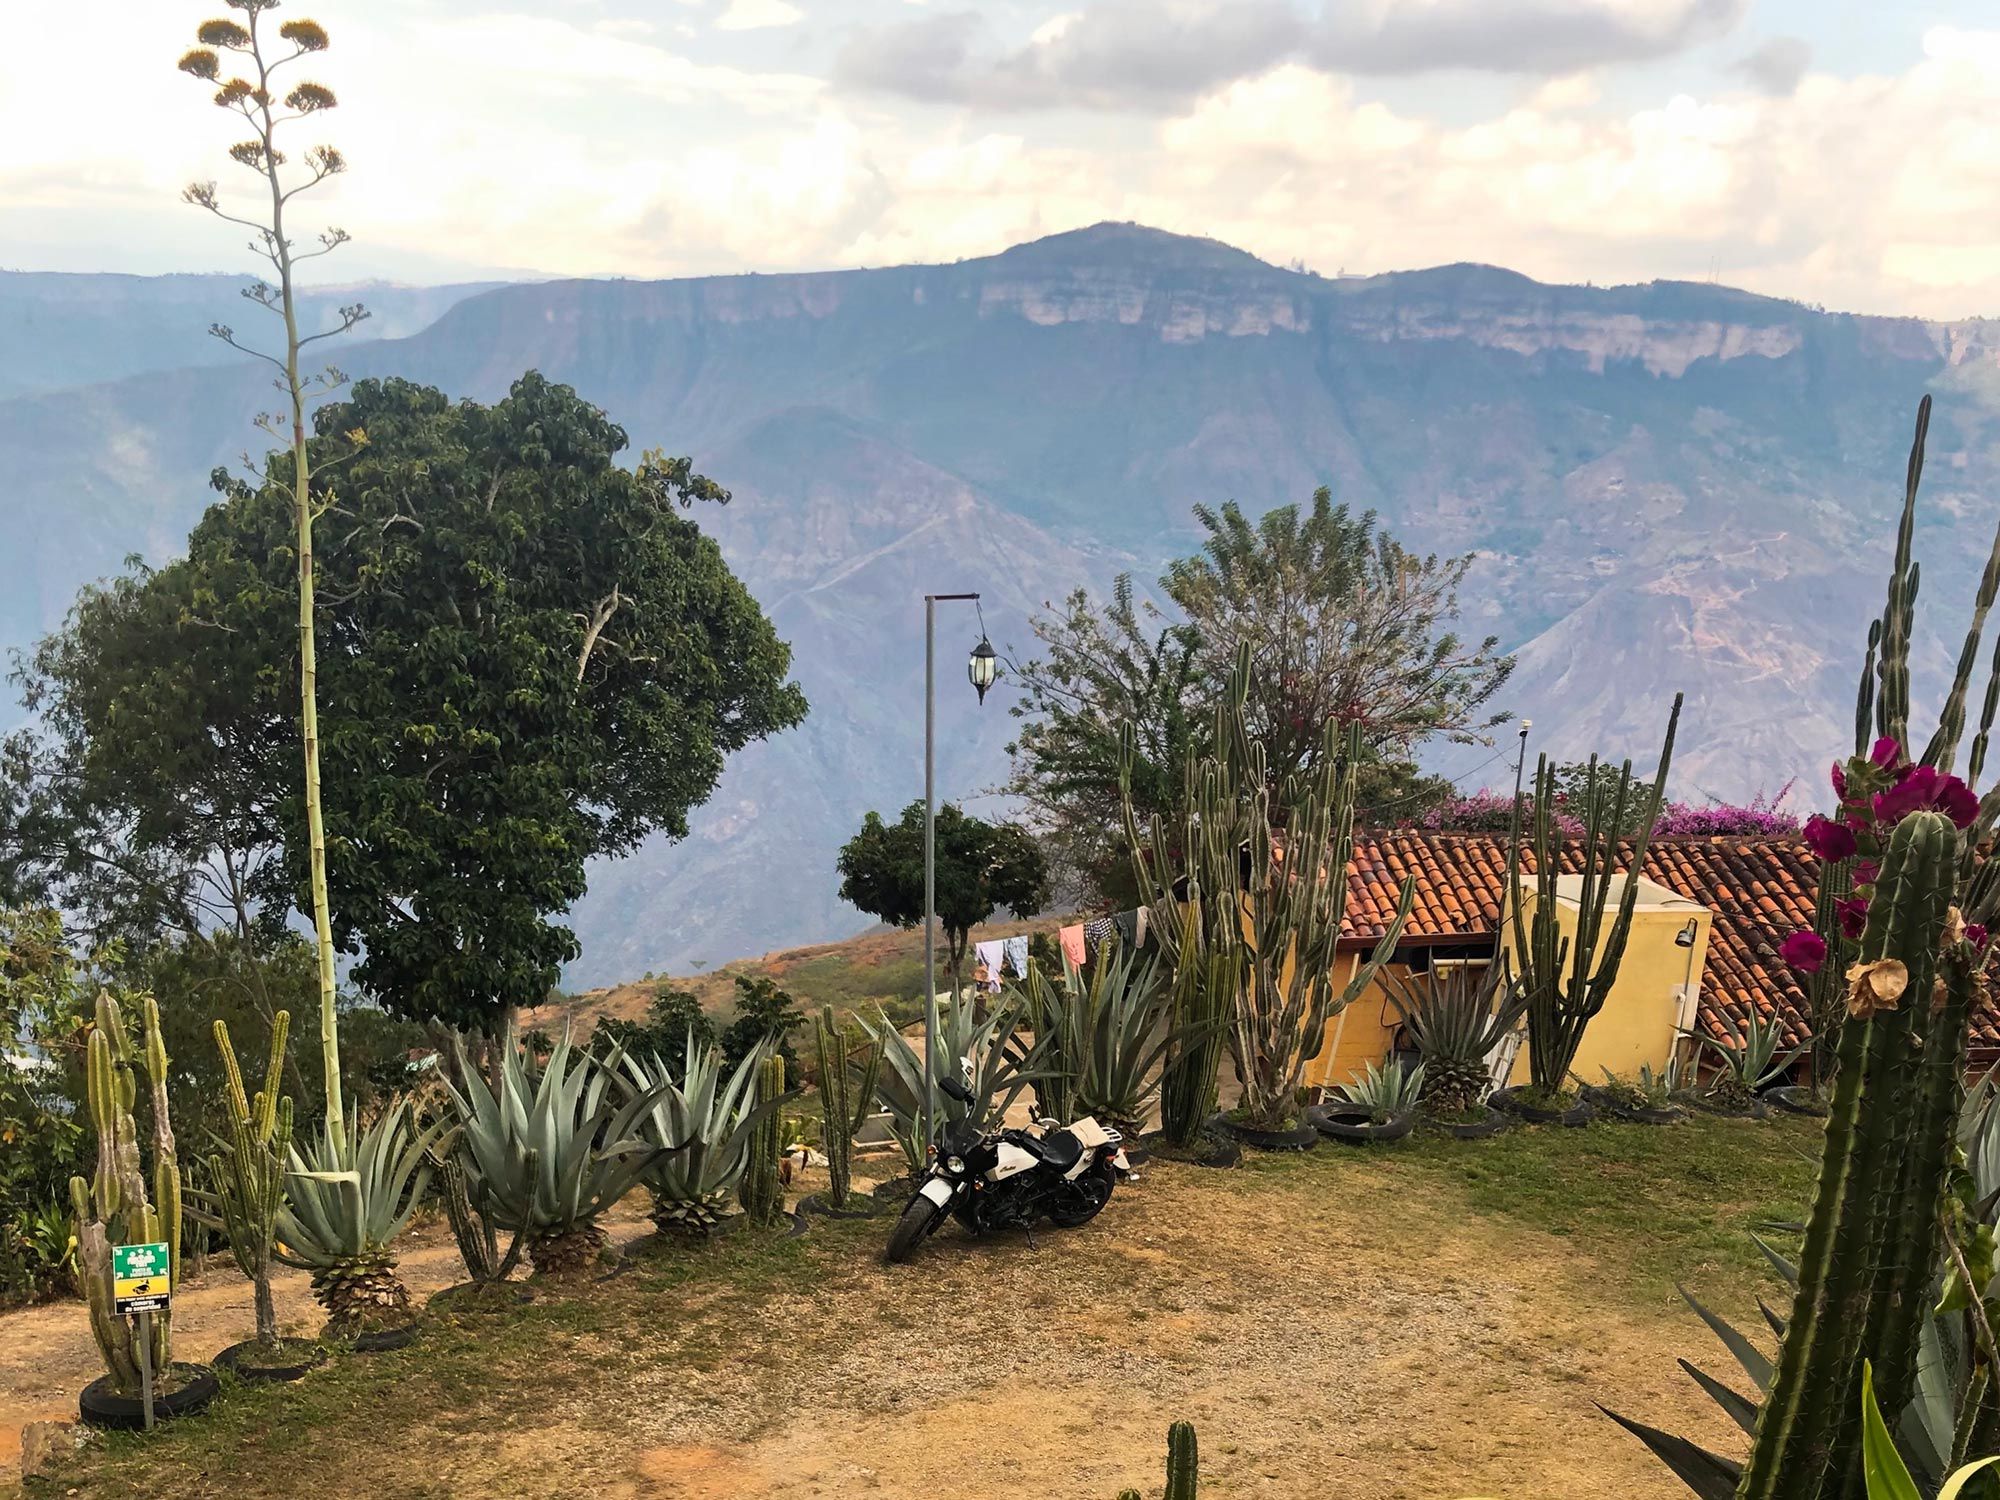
(1387,1092)
(1455,1021)
(350,1194)
(1105,1039)
(1000,1068)
(701,1129)
(1751,1061)
(548,1148)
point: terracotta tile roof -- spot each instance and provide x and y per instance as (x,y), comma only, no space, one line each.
(1760,890)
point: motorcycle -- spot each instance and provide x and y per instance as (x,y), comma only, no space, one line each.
(1009,1179)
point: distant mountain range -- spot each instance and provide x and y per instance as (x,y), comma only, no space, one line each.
(1670,487)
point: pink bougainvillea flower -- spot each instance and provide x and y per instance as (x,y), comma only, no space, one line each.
(1865,871)
(1925,789)
(1853,917)
(1804,951)
(1975,934)
(1828,839)
(1839,782)
(1886,753)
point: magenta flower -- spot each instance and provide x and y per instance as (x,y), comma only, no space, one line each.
(1886,753)
(1804,951)
(1975,934)
(1839,782)
(1853,916)
(1865,871)
(1923,789)
(1828,839)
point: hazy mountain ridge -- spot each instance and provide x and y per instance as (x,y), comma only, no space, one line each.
(1665,484)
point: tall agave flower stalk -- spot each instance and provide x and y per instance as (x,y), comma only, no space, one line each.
(1266,871)
(547,1148)
(248,1184)
(1566,982)
(1924,893)
(113,1208)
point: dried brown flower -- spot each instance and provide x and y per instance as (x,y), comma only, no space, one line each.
(307,36)
(310,98)
(224,33)
(201,62)
(1876,986)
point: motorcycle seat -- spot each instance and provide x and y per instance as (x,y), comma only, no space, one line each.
(1058,1149)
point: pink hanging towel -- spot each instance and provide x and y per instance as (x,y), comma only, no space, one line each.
(1071,939)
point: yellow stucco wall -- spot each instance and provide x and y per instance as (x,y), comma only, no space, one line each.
(1637,1025)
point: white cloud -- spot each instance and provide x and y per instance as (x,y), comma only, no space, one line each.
(754,15)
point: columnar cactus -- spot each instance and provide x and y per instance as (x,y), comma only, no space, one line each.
(113,1207)
(1183,1462)
(762,1195)
(844,1102)
(1565,981)
(473,1223)
(249,1183)
(1922,892)
(1265,870)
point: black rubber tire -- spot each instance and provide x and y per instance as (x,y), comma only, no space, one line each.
(920,1218)
(1103,1176)
(1794,1100)
(1357,1128)
(471,1297)
(382,1340)
(100,1406)
(859,1206)
(1509,1100)
(1473,1130)
(1609,1104)
(1304,1138)
(303,1357)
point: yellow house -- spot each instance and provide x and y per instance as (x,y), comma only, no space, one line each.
(1459,919)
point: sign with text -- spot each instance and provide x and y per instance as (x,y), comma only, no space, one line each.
(141,1278)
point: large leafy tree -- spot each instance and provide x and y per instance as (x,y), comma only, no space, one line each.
(529,657)
(980,868)
(1343,625)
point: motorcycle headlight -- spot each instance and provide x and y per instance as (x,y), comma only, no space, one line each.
(955,1165)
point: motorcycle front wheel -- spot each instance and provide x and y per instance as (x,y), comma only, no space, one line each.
(918,1220)
(1085,1199)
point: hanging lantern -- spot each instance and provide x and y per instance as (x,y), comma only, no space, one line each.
(983,667)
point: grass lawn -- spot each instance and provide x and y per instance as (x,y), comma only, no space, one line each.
(1402,1323)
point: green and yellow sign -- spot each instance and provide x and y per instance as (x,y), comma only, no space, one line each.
(142,1278)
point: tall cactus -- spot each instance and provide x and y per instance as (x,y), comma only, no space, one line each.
(249,1183)
(1922,894)
(470,1212)
(762,1194)
(1183,1462)
(844,1102)
(1566,981)
(113,1207)
(1266,873)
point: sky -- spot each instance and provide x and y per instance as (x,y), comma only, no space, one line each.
(1837,152)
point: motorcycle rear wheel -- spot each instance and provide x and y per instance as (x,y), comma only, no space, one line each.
(1089,1194)
(920,1217)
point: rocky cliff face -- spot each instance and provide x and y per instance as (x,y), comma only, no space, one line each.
(1669,488)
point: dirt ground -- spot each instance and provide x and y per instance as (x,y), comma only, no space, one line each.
(1330,1329)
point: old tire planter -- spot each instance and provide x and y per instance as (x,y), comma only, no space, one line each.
(1757,1109)
(1509,1100)
(383,1340)
(1302,1138)
(472,1297)
(1636,1114)
(1356,1128)
(859,1206)
(1474,1130)
(303,1356)
(100,1406)
(1213,1152)
(1794,1100)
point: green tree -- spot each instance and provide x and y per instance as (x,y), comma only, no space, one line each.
(763,1013)
(980,868)
(1343,626)
(1584,788)
(535,657)
(672,1015)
